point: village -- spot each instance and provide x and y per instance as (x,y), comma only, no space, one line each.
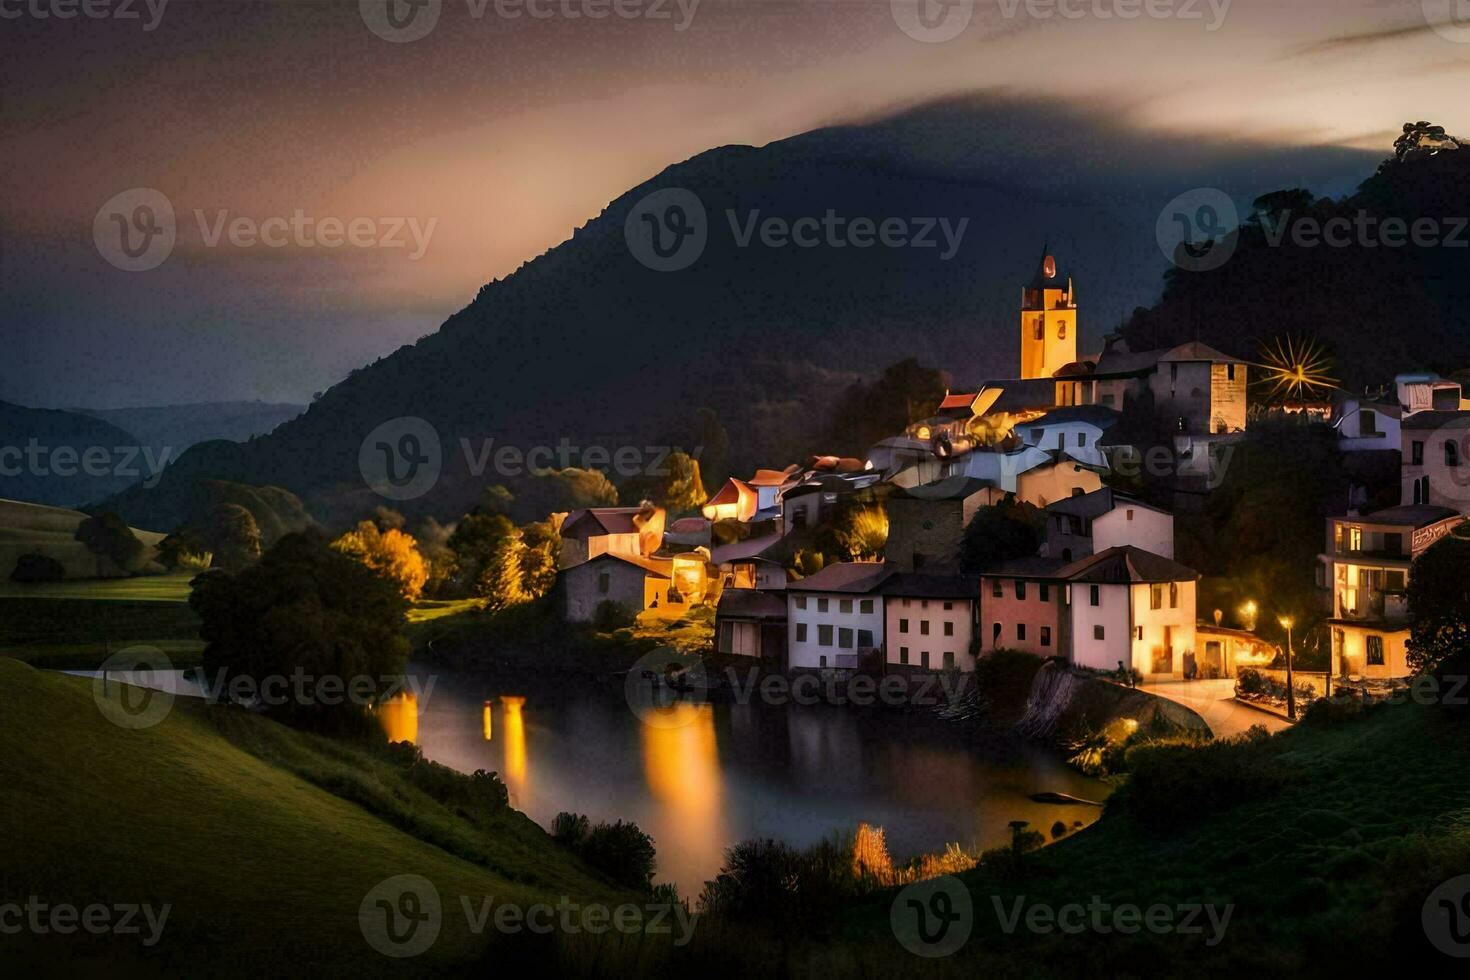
(1058,446)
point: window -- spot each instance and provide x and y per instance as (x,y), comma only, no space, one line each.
(844,606)
(994,633)
(1230,372)
(1156,597)
(924,627)
(1062,330)
(1094,598)
(1067,555)
(1368,424)
(822,661)
(1045,592)
(1393,544)
(949,629)
(1375,651)
(903,625)
(1046,636)
(844,638)
(801,632)
(1081,439)
(1130,513)
(903,655)
(949,660)
(1038,332)
(948,606)
(1097,632)
(1020,589)
(801,602)
(1138,634)
(924,659)
(604,582)
(1355,539)
(1020,631)
(995,588)
(865,639)
(824,634)
(906,603)
(866,606)
(1416,453)
(1451,453)
(1173,595)
(923,603)
(821,605)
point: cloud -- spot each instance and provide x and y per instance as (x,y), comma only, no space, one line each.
(1352,42)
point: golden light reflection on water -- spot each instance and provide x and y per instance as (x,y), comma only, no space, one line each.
(399,716)
(515,746)
(487,723)
(681,765)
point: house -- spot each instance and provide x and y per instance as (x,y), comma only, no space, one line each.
(753,573)
(1080,526)
(752,623)
(812,500)
(1366,424)
(1434,468)
(835,616)
(735,501)
(1077,431)
(590,532)
(929,621)
(1223,652)
(1132,607)
(1023,607)
(926,523)
(1364,575)
(1427,392)
(632,582)
(1195,389)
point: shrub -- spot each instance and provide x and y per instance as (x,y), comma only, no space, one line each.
(610,616)
(569,829)
(1175,783)
(622,852)
(37,568)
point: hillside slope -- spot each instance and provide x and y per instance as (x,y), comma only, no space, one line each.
(35,528)
(46,456)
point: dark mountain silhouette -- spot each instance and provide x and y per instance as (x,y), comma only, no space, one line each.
(1378,308)
(585,344)
(44,457)
(177,427)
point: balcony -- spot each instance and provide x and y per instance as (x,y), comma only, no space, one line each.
(1373,604)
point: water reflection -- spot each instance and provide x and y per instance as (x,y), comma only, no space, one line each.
(681,766)
(399,716)
(515,747)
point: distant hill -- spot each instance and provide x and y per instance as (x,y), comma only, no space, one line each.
(177,427)
(182,499)
(27,528)
(50,456)
(585,344)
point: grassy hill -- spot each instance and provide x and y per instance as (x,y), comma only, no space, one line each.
(28,527)
(224,815)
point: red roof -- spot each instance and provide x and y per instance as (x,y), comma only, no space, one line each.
(958,401)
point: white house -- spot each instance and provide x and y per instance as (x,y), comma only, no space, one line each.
(1076,431)
(1132,607)
(1426,392)
(835,616)
(1080,526)
(1367,424)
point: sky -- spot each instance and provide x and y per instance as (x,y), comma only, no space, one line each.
(466,152)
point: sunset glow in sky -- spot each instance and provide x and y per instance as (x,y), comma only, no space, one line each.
(509,133)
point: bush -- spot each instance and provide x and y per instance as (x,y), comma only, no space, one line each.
(472,796)
(37,568)
(1178,782)
(610,616)
(619,850)
(569,829)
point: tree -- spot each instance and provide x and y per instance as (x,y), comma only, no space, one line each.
(540,559)
(501,582)
(906,392)
(32,567)
(678,488)
(234,537)
(185,548)
(474,542)
(714,451)
(997,533)
(1439,603)
(108,536)
(303,608)
(393,554)
(861,531)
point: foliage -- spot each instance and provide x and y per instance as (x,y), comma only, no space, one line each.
(32,567)
(611,615)
(714,451)
(186,548)
(392,554)
(1173,786)
(785,889)
(862,532)
(109,536)
(233,537)
(905,392)
(996,533)
(678,488)
(1439,603)
(619,850)
(808,561)
(303,608)
(474,543)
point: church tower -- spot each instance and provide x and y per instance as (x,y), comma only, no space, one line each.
(1048,320)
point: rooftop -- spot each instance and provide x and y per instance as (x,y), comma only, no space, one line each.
(1032,567)
(1437,419)
(1126,563)
(662,567)
(752,604)
(932,585)
(848,576)
(1405,515)
(612,520)
(1097,503)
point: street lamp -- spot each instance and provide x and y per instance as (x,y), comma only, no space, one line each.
(1290,689)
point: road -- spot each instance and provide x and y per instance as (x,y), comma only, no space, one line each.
(1214,701)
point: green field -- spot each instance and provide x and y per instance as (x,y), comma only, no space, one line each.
(139,588)
(74,625)
(242,826)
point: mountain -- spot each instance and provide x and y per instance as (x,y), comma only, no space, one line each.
(587,347)
(174,428)
(50,456)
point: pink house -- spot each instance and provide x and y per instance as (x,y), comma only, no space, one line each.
(1022,607)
